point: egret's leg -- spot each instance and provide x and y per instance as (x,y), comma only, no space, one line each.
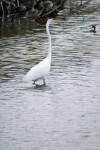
(34,81)
(44,80)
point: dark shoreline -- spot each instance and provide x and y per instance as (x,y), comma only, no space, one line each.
(34,9)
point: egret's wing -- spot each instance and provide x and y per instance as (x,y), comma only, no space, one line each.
(38,71)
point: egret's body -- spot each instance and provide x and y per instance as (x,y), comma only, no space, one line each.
(40,70)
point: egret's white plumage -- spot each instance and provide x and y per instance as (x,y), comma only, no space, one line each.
(40,70)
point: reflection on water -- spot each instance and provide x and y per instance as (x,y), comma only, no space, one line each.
(64,113)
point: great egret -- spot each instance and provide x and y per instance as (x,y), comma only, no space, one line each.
(40,70)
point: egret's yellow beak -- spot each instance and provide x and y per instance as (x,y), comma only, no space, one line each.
(57,21)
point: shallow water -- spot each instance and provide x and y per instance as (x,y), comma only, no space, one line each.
(64,114)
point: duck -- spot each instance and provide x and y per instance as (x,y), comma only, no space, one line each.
(93,29)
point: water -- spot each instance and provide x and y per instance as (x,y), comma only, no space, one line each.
(65,113)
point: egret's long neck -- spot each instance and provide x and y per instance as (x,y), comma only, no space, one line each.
(49,41)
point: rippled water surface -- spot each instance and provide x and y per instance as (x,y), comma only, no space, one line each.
(64,114)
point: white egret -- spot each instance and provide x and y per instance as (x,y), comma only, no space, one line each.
(40,70)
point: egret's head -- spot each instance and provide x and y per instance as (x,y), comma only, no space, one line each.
(50,21)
